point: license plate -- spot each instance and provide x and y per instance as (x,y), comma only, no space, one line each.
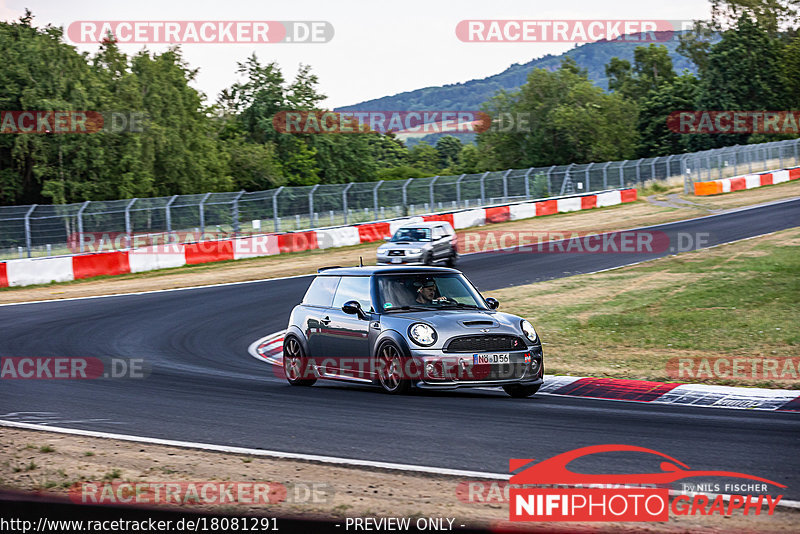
(490,359)
(397,260)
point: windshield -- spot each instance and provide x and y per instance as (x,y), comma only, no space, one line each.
(412,234)
(427,291)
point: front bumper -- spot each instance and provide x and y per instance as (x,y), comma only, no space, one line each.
(457,370)
(385,259)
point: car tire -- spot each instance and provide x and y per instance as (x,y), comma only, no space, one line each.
(389,367)
(295,363)
(519,391)
(427,258)
(452,259)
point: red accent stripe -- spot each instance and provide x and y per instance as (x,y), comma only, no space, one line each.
(616,388)
(368,233)
(297,242)
(737,184)
(208,251)
(628,195)
(105,263)
(794,174)
(766,179)
(588,202)
(3,275)
(440,217)
(498,214)
(546,207)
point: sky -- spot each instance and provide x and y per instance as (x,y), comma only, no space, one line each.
(379,48)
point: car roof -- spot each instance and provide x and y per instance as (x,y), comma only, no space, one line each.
(370,270)
(427,224)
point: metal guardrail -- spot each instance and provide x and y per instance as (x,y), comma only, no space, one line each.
(44,230)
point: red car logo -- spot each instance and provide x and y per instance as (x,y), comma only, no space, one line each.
(554,470)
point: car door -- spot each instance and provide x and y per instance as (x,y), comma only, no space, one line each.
(347,336)
(317,308)
(440,245)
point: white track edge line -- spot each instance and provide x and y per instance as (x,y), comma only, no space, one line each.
(303,457)
(261,452)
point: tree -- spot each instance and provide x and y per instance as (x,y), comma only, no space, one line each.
(655,138)
(449,151)
(424,157)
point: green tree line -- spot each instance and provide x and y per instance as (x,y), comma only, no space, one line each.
(747,57)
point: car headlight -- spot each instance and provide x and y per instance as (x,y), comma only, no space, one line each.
(528,330)
(381,249)
(413,250)
(422,334)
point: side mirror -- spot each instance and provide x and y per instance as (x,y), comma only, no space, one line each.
(492,302)
(352,307)
(387,238)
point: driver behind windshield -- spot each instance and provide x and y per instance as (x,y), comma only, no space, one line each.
(426,293)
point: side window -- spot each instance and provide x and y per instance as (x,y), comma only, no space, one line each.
(320,292)
(438,233)
(353,288)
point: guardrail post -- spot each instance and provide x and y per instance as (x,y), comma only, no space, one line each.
(344,200)
(80,225)
(458,189)
(28,227)
(431,191)
(527,184)
(202,212)
(605,175)
(128,226)
(375,198)
(549,187)
(586,177)
(505,184)
(275,219)
(311,206)
(483,187)
(235,212)
(168,214)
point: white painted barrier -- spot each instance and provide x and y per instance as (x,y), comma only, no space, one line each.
(31,271)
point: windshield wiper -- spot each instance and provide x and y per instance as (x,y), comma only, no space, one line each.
(460,305)
(409,308)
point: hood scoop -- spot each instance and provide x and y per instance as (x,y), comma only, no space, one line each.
(478,323)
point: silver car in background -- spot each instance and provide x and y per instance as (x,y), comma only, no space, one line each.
(420,243)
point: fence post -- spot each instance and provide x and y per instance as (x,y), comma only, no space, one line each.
(458,189)
(685,174)
(719,163)
(622,173)
(549,188)
(405,197)
(527,184)
(505,184)
(483,187)
(780,157)
(344,200)
(735,160)
(639,171)
(128,226)
(80,226)
(797,151)
(566,177)
(275,219)
(28,227)
(605,175)
(669,168)
(235,212)
(653,169)
(431,190)
(586,177)
(202,211)
(311,206)
(375,198)
(168,214)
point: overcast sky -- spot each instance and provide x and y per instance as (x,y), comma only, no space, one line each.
(380,48)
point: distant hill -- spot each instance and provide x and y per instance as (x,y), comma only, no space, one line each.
(470,95)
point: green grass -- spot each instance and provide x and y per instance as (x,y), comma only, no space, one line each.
(705,303)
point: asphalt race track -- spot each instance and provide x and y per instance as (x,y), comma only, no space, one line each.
(205,387)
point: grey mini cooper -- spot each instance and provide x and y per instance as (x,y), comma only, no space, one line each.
(399,327)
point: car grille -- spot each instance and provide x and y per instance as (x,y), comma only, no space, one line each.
(396,253)
(484,343)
